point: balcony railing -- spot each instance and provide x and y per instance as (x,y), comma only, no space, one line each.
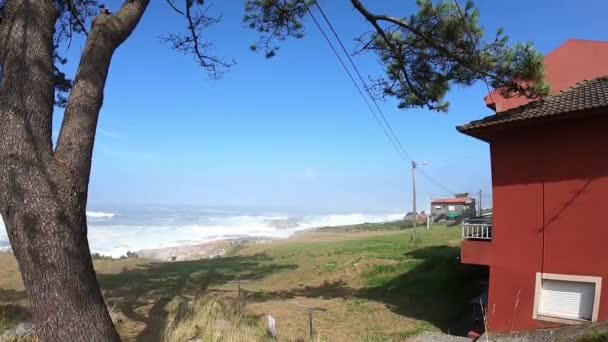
(477,229)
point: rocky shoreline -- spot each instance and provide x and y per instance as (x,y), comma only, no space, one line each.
(222,247)
(208,250)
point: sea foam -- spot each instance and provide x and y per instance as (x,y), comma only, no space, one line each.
(116,233)
(99,214)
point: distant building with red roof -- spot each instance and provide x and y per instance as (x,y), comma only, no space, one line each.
(462,207)
(575,61)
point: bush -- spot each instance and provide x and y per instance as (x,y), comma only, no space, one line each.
(406,225)
(97,256)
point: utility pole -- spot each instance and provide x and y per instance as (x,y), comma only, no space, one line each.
(428,214)
(480,207)
(415,221)
(414,235)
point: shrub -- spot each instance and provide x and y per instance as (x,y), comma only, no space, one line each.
(97,256)
(407,224)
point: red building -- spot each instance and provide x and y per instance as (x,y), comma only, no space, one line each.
(572,62)
(546,248)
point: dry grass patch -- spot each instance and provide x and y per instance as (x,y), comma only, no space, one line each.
(211,320)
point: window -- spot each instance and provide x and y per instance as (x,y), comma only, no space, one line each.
(451,208)
(566,298)
(437,207)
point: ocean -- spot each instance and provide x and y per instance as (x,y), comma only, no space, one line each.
(114,231)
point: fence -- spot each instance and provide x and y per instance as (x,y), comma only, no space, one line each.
(477,229)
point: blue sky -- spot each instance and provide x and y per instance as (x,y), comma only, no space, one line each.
(292,131)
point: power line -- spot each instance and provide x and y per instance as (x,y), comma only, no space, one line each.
(436,182)
(392,136)
(401,154)
(331,27)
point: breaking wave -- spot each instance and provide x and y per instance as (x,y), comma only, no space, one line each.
(111,234)
(99,214)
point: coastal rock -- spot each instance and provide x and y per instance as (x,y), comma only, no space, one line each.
(183,253)
(291,222)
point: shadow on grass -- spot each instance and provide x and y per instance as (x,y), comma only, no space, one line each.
(12,296)
(428,284)
(437,290)
(150,287)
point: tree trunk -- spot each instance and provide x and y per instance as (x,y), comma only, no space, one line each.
(40,201)
(48,235)
(43,193)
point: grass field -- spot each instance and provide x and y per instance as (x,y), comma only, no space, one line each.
(374,284)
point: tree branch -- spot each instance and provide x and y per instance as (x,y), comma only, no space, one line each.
(375,18)
(195,40)
(76,16)
(397,54)
(77,135)
(172,5)
(192,42)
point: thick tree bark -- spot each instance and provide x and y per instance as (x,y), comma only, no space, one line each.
(43,194)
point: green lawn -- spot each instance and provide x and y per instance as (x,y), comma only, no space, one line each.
(375,285)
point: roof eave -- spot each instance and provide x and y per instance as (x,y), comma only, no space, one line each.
(477,133)
(486,133)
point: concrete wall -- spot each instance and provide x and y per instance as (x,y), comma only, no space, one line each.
(550,189)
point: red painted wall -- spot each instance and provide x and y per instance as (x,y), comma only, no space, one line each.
(574,61)
(475,252)
(550,187)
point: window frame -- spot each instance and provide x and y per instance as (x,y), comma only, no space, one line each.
(597,281)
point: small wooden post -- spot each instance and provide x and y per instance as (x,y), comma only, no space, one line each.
(240,297)
(311,310)
(310,325)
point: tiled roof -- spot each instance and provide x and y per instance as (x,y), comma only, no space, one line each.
(452,201)
(584,96)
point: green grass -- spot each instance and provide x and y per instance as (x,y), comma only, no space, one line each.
(374,283)
(594,336)
(421,281)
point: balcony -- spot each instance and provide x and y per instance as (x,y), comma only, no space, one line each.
(476,246)
(477,229)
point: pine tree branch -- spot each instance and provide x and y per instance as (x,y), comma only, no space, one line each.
(173,7)
(374,19)
(397,54)
(206,61)
(76,16)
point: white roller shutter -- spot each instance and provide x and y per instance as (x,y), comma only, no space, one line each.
(566,299)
